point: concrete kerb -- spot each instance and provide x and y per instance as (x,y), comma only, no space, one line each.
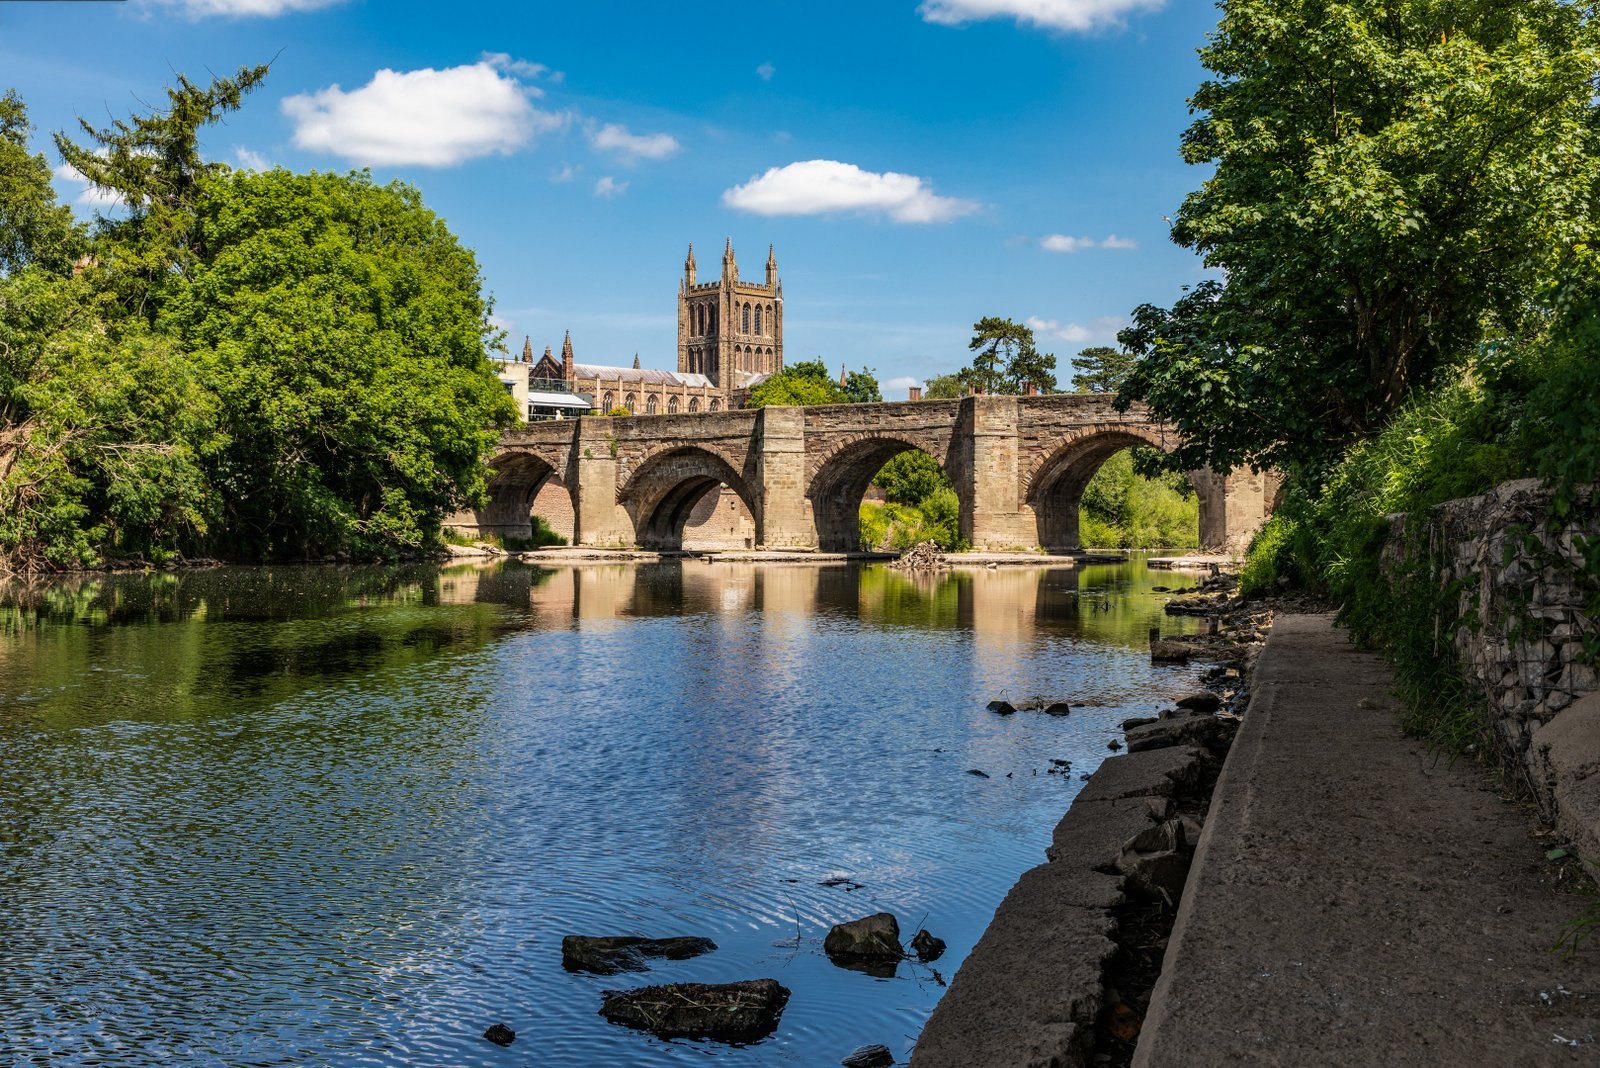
(1566,753)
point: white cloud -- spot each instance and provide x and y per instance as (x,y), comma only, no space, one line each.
(819,186)
(1103,328)
(1066,243)
(608,186)
(521,68)
(902,384)
(1067,15)
(431,118)
(89,194)
(250,161)
(198,9)
(566,174)
(613,137)
(766,71)
(1063,243)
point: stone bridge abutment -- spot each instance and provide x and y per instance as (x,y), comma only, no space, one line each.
(1019,466)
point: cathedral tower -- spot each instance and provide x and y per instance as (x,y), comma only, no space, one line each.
(730,330)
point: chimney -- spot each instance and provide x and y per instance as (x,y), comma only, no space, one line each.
(916,393)
(1033,389)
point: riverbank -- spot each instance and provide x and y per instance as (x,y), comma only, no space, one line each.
(1063,973)
(1352,900)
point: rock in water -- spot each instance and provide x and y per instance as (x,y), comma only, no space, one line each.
(500,1035)
(1200,701)
(726,1012)
(1001,708)
(927,948)
(1163,652)
(610,955)
(875,937)
(1058,708)
(869,1057)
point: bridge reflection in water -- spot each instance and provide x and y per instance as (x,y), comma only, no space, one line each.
(1004,607)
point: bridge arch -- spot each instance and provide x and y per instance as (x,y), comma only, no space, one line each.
(1055,487)
(841,480)
(518,477)
(664,489)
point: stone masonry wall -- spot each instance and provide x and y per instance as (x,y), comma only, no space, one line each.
(1525,606)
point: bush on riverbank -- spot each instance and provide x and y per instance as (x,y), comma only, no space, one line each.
(1514,411)
(897,527)
(1124,509)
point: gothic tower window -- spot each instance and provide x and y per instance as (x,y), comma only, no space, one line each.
(650,405)
(758,319)
(745,323)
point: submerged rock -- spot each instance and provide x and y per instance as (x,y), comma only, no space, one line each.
(979,774)
(500,1035)
(625,953)
(726,1012)
(927,948)
(1058,708)
(1001,708)
(875,937)
(869,1057)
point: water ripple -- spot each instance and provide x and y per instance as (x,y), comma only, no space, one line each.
(253,820)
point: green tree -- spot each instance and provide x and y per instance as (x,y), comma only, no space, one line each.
(1394,181)
(34,229)
(153,162)
(805,382)
(861,387)
(1101,369)
(1006,359)
(344,331)
(910,478)
(944,387)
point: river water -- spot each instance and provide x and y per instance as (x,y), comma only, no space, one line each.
(319,816)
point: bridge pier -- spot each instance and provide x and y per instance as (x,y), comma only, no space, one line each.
(988,477)
(599,521)
(786,520)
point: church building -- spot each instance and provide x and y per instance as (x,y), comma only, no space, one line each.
(730,339)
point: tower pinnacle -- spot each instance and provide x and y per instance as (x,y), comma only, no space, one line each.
(688,266)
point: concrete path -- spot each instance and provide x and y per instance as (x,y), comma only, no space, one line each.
(1356,902)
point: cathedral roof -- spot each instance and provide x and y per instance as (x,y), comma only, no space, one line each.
(642,375)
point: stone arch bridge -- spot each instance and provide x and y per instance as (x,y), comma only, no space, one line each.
(1019,466)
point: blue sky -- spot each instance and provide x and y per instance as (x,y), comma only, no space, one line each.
(918,163)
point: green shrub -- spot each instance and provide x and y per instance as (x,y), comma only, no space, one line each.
(1124,509)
